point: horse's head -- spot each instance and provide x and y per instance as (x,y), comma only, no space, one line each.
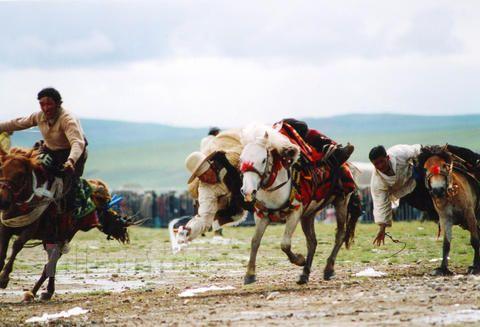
(438,165)
(115,225)
(253,166)
(15,178)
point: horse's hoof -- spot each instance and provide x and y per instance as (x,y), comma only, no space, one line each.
(249,279)
(4,282)
(28,297)
(303,279)
(300,260)
(328,274)
(441,272)
(45,296)
(472,270)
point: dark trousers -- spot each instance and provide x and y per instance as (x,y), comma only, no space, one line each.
(420,199)
(61,156)
(466,154)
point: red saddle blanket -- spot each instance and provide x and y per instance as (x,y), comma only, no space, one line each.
(316,181)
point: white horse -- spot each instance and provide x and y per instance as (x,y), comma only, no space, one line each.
(270,184)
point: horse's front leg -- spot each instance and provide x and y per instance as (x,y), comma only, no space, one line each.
(5,236)
(261,225)
(446,226)
(341,212)
(16,248)
(308,228)
(286,244)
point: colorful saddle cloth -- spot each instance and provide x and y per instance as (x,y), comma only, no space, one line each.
(312,180)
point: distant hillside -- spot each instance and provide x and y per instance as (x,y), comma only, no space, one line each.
(152,155)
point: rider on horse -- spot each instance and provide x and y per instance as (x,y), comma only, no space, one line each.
(333,154)
(64,143)
(396,178)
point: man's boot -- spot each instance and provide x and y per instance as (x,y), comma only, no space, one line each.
(337,155)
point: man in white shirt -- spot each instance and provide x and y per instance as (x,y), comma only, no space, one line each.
(392,180)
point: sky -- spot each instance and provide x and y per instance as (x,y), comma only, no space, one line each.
(227,63)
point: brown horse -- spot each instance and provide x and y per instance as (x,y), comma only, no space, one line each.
(37,216)
(455,194)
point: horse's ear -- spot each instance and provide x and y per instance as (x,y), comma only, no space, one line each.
(265,136)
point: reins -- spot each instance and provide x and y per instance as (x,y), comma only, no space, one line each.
(395,241)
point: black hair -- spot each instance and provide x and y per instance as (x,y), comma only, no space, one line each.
(377,152)
(214,131)
(51,93)
(300,126)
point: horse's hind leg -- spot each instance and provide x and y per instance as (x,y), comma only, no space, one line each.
(261,225)
(54,254)
(308,228)
(446,226)
(475,242)
(29,296)
(341,212)
(286,245)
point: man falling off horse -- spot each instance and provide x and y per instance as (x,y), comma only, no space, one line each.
(215,182)
(396,178)
(64,143)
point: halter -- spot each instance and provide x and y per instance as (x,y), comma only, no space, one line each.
(272,167)
(11,186)
(447,173)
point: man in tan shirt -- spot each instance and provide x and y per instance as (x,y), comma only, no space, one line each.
(62,133)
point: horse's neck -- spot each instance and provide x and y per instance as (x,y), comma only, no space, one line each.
(276,199)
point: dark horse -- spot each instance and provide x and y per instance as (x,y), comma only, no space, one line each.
(33,213)
(455,194)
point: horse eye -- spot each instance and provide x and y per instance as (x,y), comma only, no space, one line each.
(263,161)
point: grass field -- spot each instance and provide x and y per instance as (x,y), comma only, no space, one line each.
(140,283)
(150,248)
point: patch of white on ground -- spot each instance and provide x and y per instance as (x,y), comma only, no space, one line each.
(64,314)
(370,272)
(456,317)
(194,291)
(217,240)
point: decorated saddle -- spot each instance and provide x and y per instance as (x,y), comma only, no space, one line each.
(312,179)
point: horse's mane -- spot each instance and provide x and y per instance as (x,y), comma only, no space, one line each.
(433,150)
(255,132)
(29,156)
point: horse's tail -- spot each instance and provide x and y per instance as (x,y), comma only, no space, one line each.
(353,213)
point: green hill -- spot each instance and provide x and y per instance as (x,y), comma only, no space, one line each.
(152,155)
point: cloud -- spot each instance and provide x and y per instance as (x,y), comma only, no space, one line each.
(233,92)
(317,32)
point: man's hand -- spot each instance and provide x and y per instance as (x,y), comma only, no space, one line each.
(183,235)
(69,167)
(380,239)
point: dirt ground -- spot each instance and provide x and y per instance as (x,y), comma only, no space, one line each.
(146,291)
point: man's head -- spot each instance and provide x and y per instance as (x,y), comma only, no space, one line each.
(214,131)
(50,101)
(198,165)
(379,158)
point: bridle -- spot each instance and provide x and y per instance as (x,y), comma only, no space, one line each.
(437,170)
(272,165)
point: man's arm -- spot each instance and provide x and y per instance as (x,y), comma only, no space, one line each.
(382,207)
(19,124)
(75,137)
